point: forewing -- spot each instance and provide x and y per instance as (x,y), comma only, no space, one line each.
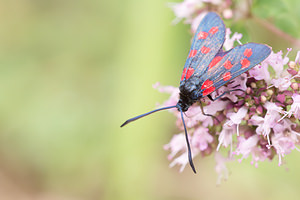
(237,61)
(207,42)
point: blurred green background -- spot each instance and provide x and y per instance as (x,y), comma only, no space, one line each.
(72,71)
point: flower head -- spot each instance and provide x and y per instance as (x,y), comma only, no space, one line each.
(258,119)
(263,118)
(192,11)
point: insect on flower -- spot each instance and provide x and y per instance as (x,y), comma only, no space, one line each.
(208,67)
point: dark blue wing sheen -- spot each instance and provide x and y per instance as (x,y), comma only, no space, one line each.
(237,61)
(207,42)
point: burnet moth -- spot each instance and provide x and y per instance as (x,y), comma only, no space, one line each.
(208,67)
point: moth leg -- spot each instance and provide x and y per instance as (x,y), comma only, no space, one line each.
(208,114)
(210,97)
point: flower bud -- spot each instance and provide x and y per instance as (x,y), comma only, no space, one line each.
(263,99)
(256,100)
(247,117)
(235,109)
(239,103)
(248,90)
(292,64)
(281,98)
(253,85)
(259,109)
(227,13)
(295,86)
(251,102)
(293,72)
(289,101)
(270,92)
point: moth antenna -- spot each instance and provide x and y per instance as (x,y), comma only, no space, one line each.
(145,114)
(187,143)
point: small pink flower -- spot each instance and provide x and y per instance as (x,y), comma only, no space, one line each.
(251,147)
(246,146)
(295,107)
(275,60)
(176,145)
(174,91)
(194,116)
(225,137)
(297,60)
(283,144)
(272,108)
(228,44)
(221,168)
(236,118)
(214,107)
(278,62)
(181,160)
(260,72)
(282,83)
(227,13)
(185,9)
(201,139)
(269,121)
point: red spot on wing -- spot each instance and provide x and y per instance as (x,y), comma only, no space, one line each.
(202,35)
(227,64)
(189,73)
(192,53)
(208,87)
(213,30)
(208,91)
(183,74)
(208,83)
(247,52)
(205,49)
(214,62)
(227,76)
(245,63)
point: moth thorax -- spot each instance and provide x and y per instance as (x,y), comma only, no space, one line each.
(184,102)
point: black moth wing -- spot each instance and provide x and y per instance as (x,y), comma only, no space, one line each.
(237,61)
(207,42)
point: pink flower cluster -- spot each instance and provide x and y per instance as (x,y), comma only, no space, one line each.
(194,10)
(260,123)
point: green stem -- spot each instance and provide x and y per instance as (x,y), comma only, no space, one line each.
(277,31)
